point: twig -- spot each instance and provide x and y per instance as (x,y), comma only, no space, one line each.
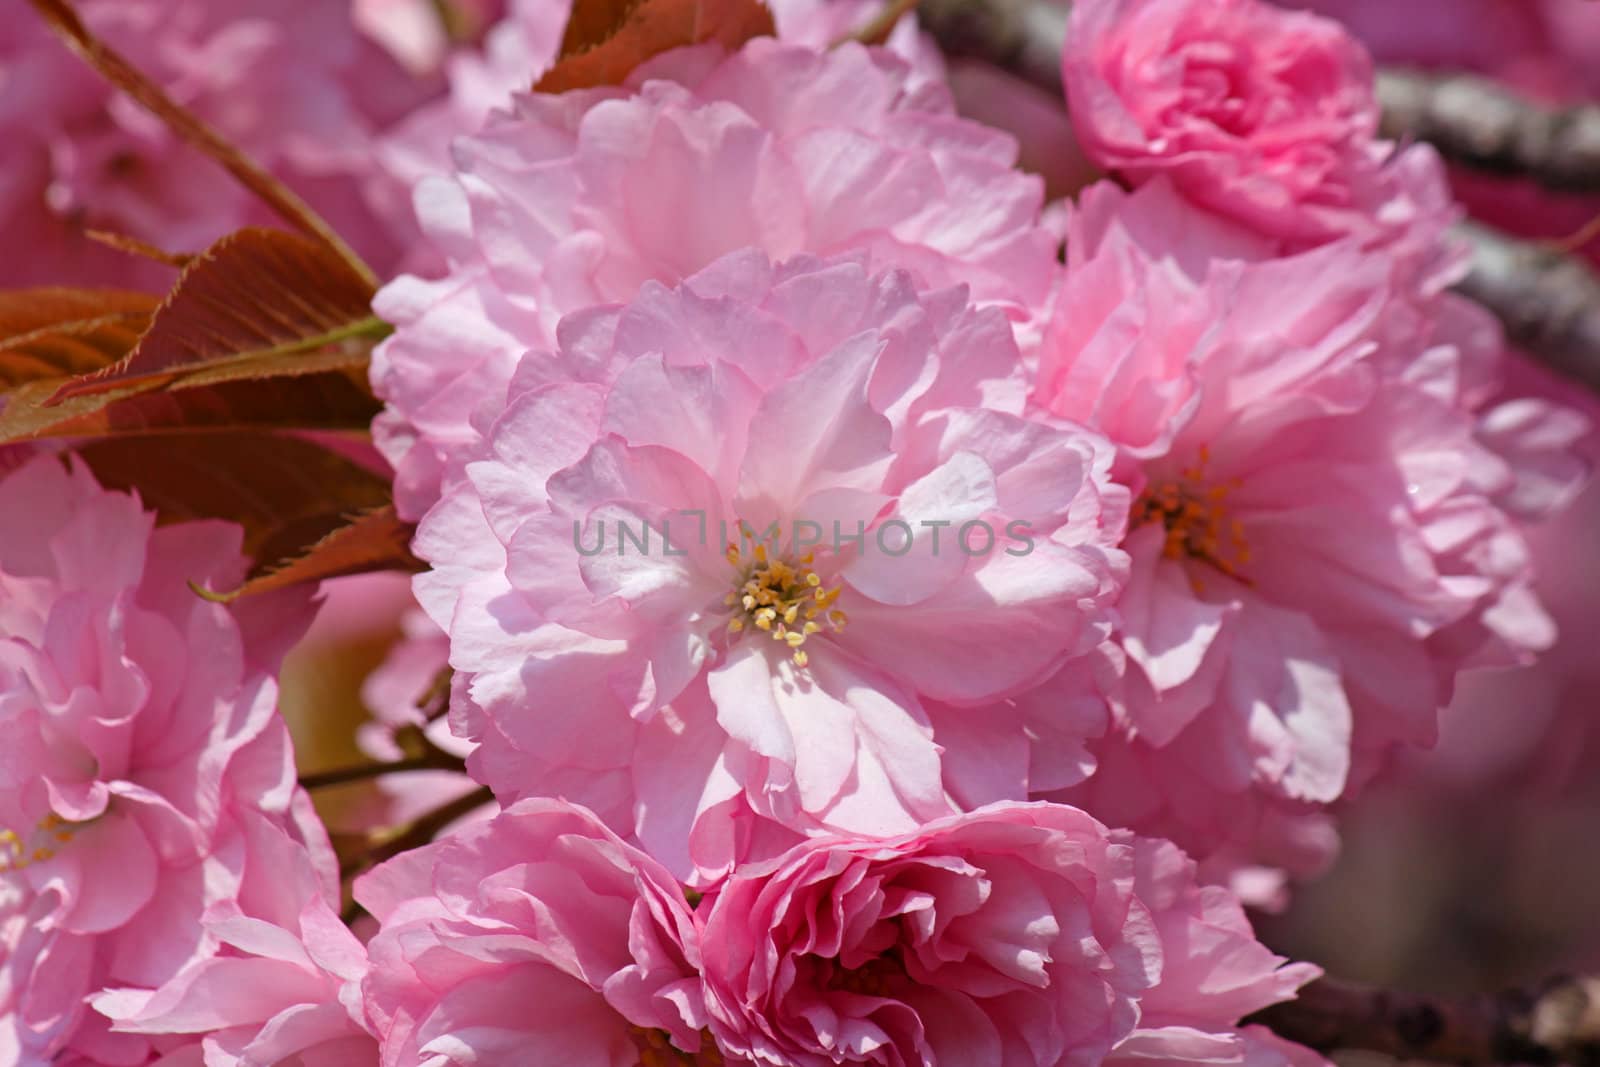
(134,247)
(61,17)
(1482,124)
(1558,1022)
(434,702)
(415,834)
(1024,37)
(1549,302)
(363,772)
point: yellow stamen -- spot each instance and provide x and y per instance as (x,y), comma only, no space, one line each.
(657,1050)
(1193,510)
(787,600)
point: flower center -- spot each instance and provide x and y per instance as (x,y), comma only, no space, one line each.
(876,978)
(657,1050)
(786,600)
(1196,519)
(18,852)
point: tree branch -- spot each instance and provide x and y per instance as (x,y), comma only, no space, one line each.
(364,772)
(1556,1023)
(1548,301)
(1024,37)
(1481,124)
(390,843)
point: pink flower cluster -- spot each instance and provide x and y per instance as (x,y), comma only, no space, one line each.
(701,519)
(143,747)
(556,206)
(890,637)
(1234,401)
(1268,515)
(1016,935)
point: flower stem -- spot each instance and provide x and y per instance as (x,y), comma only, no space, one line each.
(415,834)
(431,761)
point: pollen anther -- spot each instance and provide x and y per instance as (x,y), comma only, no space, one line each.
(1197,523)
(783,599)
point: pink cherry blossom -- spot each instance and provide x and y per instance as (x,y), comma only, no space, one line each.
(283,985)
(790,442)
(1014,935)
(1287,420)
(1213,972)
(1251,839)
(536,937)
(517,48)
(1259,114)
(557,206)
(292,84)
(140,724)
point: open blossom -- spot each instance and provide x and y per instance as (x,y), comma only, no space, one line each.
(140,726)
(1017,935)
(748,526)
(293,84)
(1213,972)
(557,205)
(1009,936)
(1320,541)
(1260,114)
(283,985)
(536,937)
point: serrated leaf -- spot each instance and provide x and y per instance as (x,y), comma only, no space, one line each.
(329,401)
(281,489)
(367,541)
(50,336)
(257,304)
(606,39)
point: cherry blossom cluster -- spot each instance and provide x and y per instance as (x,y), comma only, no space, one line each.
(899,621)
